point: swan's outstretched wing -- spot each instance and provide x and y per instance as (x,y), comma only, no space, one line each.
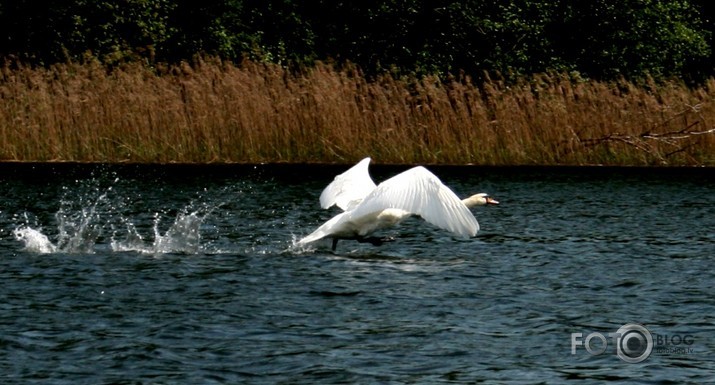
(348,188)
(420,192)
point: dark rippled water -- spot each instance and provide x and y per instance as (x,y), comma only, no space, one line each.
(187,275)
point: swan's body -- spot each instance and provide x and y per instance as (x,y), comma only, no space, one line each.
(369,208)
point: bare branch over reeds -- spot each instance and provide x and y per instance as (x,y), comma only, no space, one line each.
(658,145)
(216,111)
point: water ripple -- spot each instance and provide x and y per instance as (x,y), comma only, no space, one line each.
(192,279)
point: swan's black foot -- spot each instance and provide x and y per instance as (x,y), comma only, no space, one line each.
(375,241)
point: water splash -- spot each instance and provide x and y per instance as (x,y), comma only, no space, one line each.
(82,221)
(298,248)
(79,222)
(78,229)
(183,236)
(35,241)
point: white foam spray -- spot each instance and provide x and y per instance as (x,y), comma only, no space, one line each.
(82,221)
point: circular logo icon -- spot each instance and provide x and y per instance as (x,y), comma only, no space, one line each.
(634,343)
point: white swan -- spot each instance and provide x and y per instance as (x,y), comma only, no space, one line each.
(368,208)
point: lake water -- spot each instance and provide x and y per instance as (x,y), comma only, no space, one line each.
(188,274)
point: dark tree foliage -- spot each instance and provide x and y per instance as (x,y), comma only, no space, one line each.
(599,38)
(45,33)
(631,37)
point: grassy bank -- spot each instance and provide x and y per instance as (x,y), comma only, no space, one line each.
(218,112)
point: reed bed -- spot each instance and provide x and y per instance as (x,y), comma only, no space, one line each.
(215,111)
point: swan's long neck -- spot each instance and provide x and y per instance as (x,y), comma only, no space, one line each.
(470,202)
(479,200)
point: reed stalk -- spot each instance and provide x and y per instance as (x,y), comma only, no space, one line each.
(216,111)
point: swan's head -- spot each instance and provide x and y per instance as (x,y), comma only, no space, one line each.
(480,199)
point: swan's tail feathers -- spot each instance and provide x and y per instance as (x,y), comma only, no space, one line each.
(312,237)
(325,230)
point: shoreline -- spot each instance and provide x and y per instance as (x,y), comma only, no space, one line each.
(373,163)
(39,170)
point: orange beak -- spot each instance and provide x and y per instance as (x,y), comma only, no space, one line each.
(492,201)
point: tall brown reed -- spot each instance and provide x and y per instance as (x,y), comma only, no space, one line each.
(215,111)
